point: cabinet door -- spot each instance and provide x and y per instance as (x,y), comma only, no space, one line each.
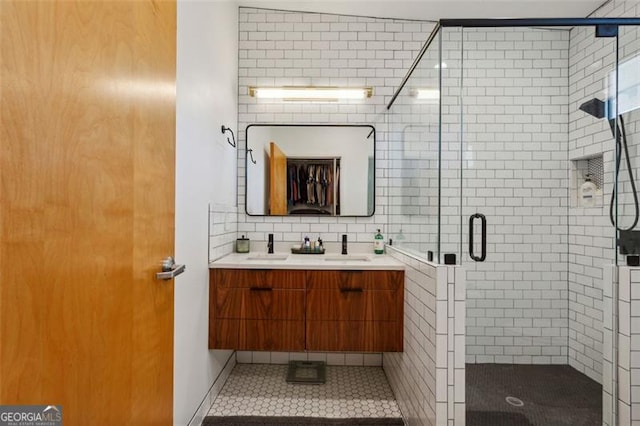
(355,311)
(354,295)
(257,309)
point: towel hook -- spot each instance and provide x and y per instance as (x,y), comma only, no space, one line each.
(224,130)
(250,152)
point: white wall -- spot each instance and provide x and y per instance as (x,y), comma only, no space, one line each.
(205,173)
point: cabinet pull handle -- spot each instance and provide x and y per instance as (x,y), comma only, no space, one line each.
(350,290)
(261,289)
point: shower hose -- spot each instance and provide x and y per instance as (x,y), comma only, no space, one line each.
(621,142)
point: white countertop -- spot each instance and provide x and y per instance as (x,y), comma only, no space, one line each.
(327,261)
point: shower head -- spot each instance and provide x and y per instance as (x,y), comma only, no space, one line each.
(594,107)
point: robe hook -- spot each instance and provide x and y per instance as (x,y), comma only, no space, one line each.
(250,152)
(224,130)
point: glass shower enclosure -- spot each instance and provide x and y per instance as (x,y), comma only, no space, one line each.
(513,144)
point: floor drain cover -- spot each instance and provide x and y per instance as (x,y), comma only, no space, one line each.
(514,401)
(309,372)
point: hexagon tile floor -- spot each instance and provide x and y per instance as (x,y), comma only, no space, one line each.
(262,390)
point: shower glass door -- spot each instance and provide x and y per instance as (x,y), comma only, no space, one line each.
(517,142)
(621,123)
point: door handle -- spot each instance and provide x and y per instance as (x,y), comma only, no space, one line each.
(483,242)
(170,269)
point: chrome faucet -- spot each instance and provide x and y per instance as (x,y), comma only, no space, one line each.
(270,244)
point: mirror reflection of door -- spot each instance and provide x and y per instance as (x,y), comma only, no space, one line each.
(277,180)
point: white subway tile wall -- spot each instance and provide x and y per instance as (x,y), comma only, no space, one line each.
(512,122)
(428,377)
(223,230)
(279,48)
(591,235)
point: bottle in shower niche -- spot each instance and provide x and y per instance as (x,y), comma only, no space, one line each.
(378,243)
(587,193)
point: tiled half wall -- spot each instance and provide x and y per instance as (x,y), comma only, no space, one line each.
(428,377)
(627,345)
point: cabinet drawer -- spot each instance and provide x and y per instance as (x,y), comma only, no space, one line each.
(365,280)
(352,303)
(260,303)
(360,336)
(247,278)
(257,335)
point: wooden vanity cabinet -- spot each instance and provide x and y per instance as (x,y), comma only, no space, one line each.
(355,311)
(315,310)
(254,309)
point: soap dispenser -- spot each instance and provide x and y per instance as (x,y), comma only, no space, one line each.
(587,193)
(378,243)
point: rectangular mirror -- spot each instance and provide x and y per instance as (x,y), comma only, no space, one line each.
(324,170)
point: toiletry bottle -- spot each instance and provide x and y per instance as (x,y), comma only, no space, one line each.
(378,243)
(587,193)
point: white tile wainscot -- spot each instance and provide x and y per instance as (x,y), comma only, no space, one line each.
(628,346)
(428,378)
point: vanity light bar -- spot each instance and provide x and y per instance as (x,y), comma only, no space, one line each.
(428,94)
(311,93)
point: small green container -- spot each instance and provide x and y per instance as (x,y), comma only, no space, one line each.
(242,245)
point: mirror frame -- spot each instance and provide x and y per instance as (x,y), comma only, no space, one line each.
(246,165)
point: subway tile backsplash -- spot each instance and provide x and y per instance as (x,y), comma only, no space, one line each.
(223,230)
(278,48)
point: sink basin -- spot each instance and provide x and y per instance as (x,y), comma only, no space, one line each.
(349,257)
(268,257)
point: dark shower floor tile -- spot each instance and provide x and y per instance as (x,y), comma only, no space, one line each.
(553,395)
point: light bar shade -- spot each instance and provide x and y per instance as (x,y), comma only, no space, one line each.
(311,93)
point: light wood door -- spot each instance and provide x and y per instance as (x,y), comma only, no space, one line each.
(277,180)
(87,208)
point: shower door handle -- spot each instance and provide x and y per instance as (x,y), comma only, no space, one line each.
(483,243)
